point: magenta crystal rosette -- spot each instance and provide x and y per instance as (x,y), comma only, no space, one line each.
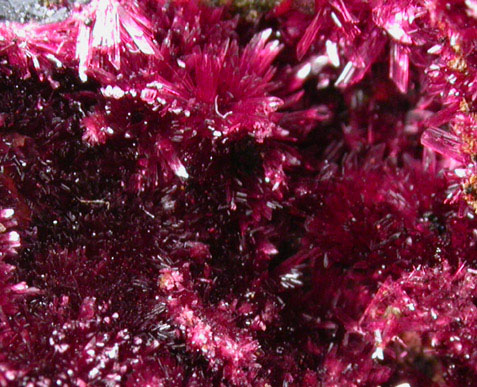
(193,196)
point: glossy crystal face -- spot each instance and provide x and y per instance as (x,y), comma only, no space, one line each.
(256,194)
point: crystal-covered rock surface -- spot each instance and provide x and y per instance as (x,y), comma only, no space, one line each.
(238,193)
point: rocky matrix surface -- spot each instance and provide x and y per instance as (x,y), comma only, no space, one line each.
(238,193)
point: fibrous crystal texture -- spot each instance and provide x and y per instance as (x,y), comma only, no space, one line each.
(238,193)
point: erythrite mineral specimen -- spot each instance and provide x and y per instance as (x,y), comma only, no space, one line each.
(238,193)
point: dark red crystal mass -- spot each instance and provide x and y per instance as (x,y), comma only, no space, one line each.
(238,193)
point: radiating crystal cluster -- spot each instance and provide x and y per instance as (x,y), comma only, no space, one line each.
(238,193)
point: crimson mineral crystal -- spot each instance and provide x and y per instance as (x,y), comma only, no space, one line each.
(238,193)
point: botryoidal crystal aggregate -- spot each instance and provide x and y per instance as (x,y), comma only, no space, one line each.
(238,193)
